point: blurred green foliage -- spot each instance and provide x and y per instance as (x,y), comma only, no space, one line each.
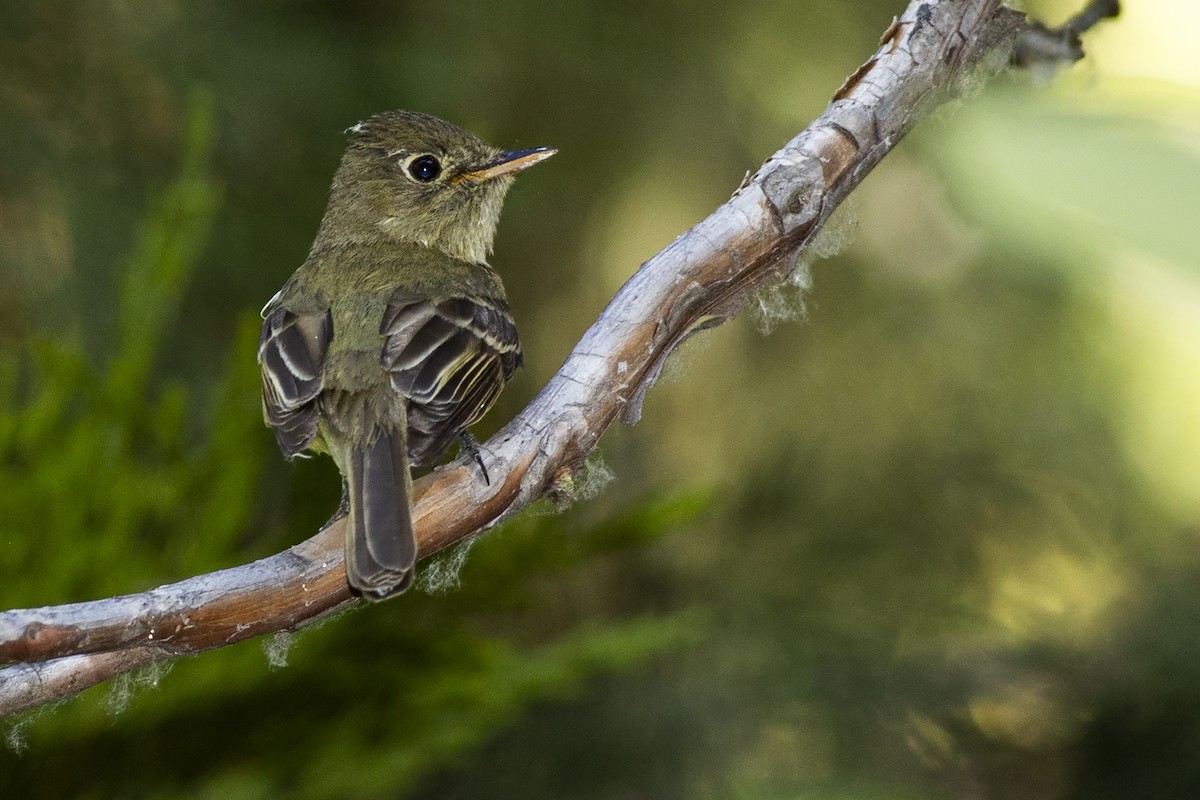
(936,541)
(104,454)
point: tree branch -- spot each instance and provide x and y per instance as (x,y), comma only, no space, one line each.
(1055,46)
(703,278)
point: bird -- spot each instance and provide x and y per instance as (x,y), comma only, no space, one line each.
(394,336)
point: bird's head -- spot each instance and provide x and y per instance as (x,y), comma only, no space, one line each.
(415,178)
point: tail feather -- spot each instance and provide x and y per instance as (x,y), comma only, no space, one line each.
(381,550)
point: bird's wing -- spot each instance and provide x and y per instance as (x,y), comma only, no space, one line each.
(291,353)
(450,359)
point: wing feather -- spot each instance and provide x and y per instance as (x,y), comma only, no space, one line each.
(291,352)
(450,358)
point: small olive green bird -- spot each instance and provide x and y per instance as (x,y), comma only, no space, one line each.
(394,336)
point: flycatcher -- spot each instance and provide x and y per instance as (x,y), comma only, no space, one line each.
(394,336)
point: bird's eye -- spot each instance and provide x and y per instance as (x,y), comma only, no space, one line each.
(424,168)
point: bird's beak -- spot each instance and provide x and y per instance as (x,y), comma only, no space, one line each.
(507,163)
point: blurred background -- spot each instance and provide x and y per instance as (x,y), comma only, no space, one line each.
(927,529)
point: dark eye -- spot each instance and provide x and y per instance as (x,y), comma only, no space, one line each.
(424,168)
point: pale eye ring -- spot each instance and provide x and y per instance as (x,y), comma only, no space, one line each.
(425,168)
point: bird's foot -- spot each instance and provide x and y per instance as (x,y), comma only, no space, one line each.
(470,445)
(343,508)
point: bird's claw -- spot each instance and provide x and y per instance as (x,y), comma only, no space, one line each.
(470,446)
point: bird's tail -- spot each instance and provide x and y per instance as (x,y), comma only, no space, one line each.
(381,550)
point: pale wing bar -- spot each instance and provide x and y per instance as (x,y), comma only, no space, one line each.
(291,352)
(450,359)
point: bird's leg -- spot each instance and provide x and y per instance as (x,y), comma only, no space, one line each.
(470,445)
(343,508)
